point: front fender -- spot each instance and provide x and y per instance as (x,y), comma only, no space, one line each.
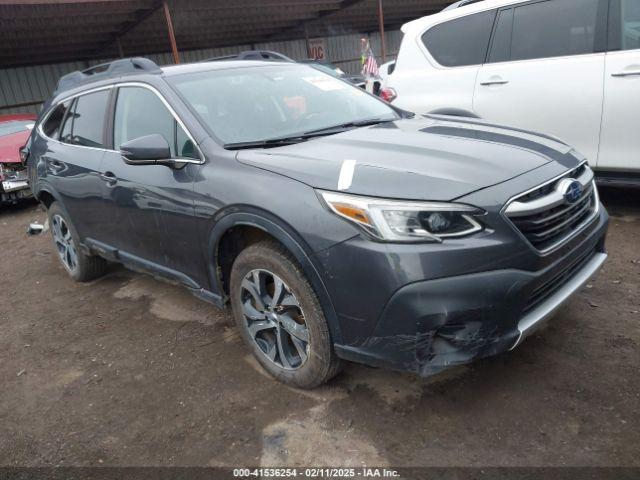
(250,216)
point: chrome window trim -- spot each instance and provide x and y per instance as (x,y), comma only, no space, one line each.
(579,229)
(66,99)
(175,116)
(118,85)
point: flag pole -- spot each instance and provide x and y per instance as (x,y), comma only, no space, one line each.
(172,36)
(383,43)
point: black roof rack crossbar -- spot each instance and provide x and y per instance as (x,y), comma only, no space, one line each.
(117,68)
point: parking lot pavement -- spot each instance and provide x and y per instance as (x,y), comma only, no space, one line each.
(128,370)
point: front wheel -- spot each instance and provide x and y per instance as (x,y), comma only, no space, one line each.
(81,266)
(280,318)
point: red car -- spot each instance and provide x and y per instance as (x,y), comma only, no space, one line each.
(14,133)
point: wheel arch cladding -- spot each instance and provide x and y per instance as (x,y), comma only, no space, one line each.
(45,197)
(253,224)
(45,193)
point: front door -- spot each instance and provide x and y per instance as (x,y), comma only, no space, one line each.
(620,143)
(545,70)
(153,204)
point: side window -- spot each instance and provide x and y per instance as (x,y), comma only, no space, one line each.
(461,42)
(65,131)
(626,26)
(139,112)
(85,123)
(51,127)
(501,44)
(184,146)
(556,28)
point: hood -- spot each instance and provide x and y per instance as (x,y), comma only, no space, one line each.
(431,158)
(10,146)
(18,116)
(355,78)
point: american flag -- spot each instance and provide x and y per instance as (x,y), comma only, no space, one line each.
(370,67)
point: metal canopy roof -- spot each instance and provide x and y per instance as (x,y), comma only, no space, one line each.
(48,31)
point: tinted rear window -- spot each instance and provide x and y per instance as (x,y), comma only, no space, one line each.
(51,127)
(461,42)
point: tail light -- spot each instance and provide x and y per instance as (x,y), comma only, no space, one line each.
(24,154)
(388,94)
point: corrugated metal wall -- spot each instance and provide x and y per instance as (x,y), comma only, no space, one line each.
(24,89)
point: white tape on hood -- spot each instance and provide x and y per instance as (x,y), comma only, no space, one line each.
(346,174)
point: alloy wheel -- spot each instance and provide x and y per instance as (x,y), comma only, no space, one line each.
(64,243)
(274,319)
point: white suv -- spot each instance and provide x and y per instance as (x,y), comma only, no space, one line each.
(568,68)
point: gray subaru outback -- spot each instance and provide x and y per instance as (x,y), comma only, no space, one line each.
(335,225)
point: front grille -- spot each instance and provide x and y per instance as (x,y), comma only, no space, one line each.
(547,228)
(545,218)
(549,287)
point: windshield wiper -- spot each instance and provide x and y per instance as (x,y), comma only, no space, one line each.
(269,143)
(303,137)
(349,125)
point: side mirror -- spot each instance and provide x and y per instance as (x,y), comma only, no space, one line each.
(147,150)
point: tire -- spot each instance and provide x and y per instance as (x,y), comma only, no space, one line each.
(81,266)
(268,331)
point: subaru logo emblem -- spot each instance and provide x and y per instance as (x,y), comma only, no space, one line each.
(570,189)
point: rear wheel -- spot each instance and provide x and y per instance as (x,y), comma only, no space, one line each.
(280,318)
(81,266)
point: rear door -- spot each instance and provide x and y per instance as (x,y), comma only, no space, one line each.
(73,160)
(620,143)
(455,49)
(544,71)
(153,204)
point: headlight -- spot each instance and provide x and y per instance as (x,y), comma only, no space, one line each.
(404,221)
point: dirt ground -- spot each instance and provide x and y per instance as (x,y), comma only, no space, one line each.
(131,371)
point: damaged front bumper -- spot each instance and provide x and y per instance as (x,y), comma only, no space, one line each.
(428,326)
(14,185)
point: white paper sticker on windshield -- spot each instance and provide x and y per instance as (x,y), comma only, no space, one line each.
(325,83)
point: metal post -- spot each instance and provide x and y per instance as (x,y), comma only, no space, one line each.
(383,43)
(172,37)
(306,39)
(120,50)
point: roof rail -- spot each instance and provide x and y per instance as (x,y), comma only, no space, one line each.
(117,68)
(253,55)
(461,3)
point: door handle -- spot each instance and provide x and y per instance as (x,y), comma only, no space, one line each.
(495,81)
(55,166)
(627,73)
(109,178)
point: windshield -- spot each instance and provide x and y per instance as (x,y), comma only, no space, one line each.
(261,103)
(328,68)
